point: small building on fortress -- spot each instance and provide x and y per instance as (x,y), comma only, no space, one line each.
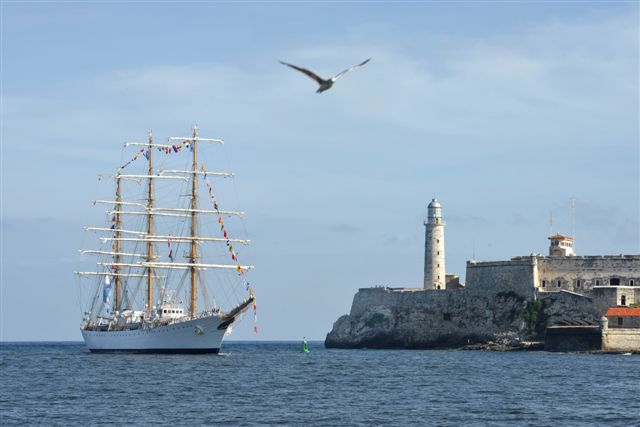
(511,301)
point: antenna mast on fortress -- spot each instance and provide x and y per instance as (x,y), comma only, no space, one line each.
(573,221)
(473,257)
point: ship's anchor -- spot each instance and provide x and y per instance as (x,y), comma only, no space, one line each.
(199,330)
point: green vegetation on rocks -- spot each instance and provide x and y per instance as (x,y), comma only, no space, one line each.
(534,318)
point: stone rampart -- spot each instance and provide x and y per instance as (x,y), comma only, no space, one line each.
(492,277)
(399,298)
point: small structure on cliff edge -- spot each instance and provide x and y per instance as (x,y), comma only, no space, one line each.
(503,301)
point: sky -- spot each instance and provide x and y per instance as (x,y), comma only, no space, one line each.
(504,111)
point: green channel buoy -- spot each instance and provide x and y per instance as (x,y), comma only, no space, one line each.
(305,346)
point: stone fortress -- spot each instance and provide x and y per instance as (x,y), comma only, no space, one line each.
(510,302)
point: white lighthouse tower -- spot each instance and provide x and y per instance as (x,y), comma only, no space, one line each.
(434,271)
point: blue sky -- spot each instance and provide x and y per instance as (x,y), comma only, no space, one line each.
(503,110)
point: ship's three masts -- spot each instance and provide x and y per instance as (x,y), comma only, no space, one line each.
(150,262)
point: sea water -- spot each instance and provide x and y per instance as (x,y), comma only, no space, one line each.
(274,383)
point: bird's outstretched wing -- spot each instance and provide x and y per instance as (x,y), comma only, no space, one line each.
(309,73)
(342,73)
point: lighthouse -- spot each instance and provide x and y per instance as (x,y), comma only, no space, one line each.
(434,271)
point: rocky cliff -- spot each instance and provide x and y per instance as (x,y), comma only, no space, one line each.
(421,319)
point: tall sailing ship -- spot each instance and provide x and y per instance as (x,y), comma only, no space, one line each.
(165,262)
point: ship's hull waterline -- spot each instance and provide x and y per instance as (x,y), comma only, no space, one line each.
(199,335)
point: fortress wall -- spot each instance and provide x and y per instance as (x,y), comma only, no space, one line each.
(588,269)
(493,277)
(399,299)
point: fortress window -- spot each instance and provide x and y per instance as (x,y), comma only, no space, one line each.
(623,300)
(631,282)
(544,283)
(438,265)
(614,282)
(577,283)
(438,252)
(559,283)
(437,240)
(446,316)
(619,321)
(597,282)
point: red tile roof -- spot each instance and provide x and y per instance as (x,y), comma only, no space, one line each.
(623,312)
(559,236)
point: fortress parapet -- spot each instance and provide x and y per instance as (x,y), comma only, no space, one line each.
(401,298)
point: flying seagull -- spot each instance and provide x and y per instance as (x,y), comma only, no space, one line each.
(325,84)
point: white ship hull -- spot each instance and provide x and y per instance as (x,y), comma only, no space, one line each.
(192,336)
